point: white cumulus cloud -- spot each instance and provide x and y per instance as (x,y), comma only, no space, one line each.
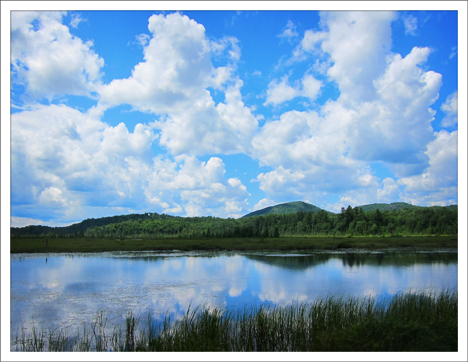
(172,82)
(357,43)
(48,60)
(450,108)
(78,162)
(281,91)
(383,114)
(438,184)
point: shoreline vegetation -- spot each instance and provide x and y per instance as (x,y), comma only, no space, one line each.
(282,243)
(412,322)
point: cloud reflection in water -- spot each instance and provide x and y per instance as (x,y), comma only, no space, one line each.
(67,292)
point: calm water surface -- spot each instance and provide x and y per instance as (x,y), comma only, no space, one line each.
(60,290)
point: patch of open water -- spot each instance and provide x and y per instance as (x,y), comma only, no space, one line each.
(68,290)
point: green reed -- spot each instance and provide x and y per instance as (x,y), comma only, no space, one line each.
(405,322)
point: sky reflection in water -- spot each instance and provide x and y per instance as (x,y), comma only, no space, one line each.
(68,290)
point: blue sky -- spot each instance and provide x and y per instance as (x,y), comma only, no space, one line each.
(196,113)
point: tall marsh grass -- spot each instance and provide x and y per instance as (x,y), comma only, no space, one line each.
(406,322)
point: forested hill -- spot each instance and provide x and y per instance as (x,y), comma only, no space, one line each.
(286,208)
(293,207)
(399,206)
(385,207)
(349,222)
(77,229)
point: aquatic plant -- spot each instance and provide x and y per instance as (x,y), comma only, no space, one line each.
(405,322)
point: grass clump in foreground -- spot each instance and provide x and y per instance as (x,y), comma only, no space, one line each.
(407,322)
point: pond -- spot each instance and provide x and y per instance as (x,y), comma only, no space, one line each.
(67,290)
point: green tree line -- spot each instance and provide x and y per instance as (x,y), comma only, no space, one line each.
(349,222)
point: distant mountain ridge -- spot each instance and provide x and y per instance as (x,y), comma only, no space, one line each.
(286,208)
(385,207)
(77,228)
(399,206)
(296,206)
(163,225)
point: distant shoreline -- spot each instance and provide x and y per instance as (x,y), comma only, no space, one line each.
(71,245)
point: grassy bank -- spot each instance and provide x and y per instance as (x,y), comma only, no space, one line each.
(59,245)
(410,322)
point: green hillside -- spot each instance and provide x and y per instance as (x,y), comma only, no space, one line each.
(386,207)
(395,206)
(77,229)
(287,208)
(288,219)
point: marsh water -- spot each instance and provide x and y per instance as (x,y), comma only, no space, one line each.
(67,290)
